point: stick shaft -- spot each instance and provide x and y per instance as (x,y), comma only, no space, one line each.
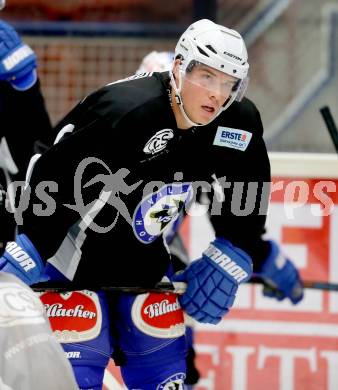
(321,285)
(312,284)
(162,287)
(330,125)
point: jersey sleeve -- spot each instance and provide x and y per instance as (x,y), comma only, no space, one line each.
(24,120)
(96,147)
(238,213)
(62,185)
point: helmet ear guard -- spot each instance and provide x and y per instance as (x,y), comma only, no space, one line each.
(242,87)
(239,93)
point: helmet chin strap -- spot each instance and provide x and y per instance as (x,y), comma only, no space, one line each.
(179,101)
(178,97)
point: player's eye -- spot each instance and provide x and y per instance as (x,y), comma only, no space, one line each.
(206,76)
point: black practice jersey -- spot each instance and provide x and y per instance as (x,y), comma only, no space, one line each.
(123,171)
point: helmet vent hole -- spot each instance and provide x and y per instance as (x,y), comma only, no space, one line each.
(202,51)
(222,66)
(234,71)
(211,49)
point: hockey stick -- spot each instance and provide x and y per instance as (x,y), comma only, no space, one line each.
(163,287)
(312,284)
(330,125)
(320,285)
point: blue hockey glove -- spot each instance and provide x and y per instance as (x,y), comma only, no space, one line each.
(213,280)
(17,60)
(280,273)
(22,259)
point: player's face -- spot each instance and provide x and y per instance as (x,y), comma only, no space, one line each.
(204,91)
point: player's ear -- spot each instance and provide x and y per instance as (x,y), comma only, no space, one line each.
(176,67)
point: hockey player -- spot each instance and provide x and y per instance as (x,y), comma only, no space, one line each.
(123,166)
(31,357)
(24,119)
(158,62)
(25,334)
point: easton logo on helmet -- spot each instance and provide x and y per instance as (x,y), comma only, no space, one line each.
(233,56)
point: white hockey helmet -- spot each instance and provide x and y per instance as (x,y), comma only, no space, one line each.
(2,4)
(216,46)
(156,61)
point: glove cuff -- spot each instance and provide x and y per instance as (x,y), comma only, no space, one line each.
(24,82)
(274,263)
(275,258)
(22,255)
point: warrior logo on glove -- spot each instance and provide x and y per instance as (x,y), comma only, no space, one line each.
(224,261)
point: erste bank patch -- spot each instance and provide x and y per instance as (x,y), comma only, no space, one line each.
(232,138)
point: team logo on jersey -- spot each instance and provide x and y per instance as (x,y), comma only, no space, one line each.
(158,209)
(158,141)
(19,306)
(174,382)
(232,138)
(158,315)
(74,316)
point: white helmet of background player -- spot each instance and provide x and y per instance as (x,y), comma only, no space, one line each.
(157,61)
(2,4)
(208,43)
